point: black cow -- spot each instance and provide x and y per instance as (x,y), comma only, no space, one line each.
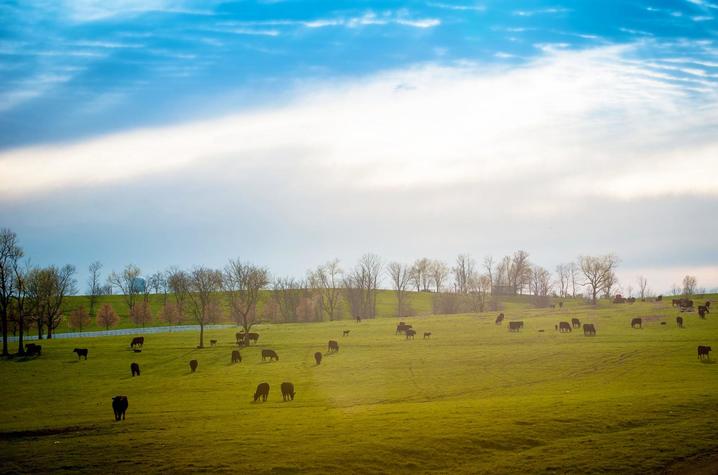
(402,328)
(636,322)
(137,341)
(564,327)
(213,342)
(560,305)
(708,304)
(271,354)
(589,329)
(500,318)
(679,322)
(410,333)
(252,337)
(193,365)
(515,326)
(704,351)
(318,357)
(135,368)
(33,349)
(702,310)
(119,406)
(240,336)
(427,334)
(236,357)
(575,323)
(287,391)
(346,333)
(80,352)
(332,346)
(262,391)
(659,298)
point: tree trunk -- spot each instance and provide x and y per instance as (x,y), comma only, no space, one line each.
(4,333)
(21,345)
(201,335)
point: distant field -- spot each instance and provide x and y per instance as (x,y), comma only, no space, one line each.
(473,398)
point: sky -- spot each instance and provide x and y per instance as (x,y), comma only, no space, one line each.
(289,133)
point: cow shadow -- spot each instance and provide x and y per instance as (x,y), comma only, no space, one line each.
(709,361)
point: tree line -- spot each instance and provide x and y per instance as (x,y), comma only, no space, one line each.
(32,297)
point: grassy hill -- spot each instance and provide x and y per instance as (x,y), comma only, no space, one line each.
(472,398)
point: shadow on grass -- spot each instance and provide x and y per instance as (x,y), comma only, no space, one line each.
(709,361)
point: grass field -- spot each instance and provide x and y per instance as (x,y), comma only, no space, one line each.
(473,398)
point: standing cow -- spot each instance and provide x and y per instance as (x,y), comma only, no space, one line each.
(193,365)
(236,357)
(679,322)
(318,357)
(135,369)
(564,327)
(287,391)
(704,351)
(80,352)
(410,334)
(332,346)
(119,406)
(500,318)
(137,341)
(515,326)
(636,323)
(271,354)
(589,329)
(702,310)
(575,323)
(261,392)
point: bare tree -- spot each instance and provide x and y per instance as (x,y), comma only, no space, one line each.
(439,273)
(642,287)
(141,313)
(400,275)
(689,285)
(327,279)
(463,271)
(287,294)
(94,287)
(204,283)
(597,271)
(171,314)
(489,268)
(563,279)
(610,283)
(573,274)
(242,283)
(126,282)
(178,284)
(479,290)
(10,255)
(420,274)
(675,290)
(20,307)
(47,289)
(520,271)
(107,317)
(361,284)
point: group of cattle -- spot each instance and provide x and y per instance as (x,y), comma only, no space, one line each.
(408,331)
(686,305)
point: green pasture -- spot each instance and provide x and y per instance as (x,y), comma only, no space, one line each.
(473,398)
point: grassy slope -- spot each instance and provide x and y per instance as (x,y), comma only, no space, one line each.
(474,398)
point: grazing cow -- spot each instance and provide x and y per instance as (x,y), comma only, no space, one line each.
(135,368)
(193,365)
(589,329)
(636,323)
(663,323)
(515,326)
(679,322)
(500,318)
(564,327)
(213,342)
(271,354)
(318,357)
(659,298)
(346,333)
(262,391)
(240,337)
(704,351)
(410,334)
(427,335)
(560,305)
(32,349)
(119,406)
(575,323)
(236,357)
(402,328)
(332,346)
(137,341)
(252,337)
(631,300)
(287,391)
(702,310)
(80,352)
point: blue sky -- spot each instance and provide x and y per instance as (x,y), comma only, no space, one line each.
(167,132)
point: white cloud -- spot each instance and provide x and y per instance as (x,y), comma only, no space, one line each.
(592,123)
(97,10)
